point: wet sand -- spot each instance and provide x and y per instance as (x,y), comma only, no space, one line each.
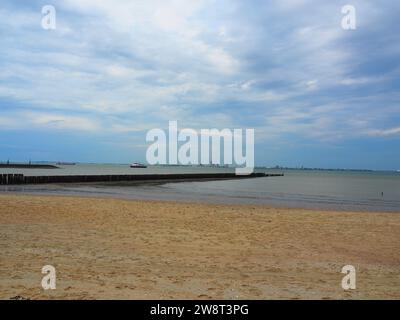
(129,249)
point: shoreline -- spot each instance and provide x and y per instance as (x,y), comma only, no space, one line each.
(72,191)
(134,249)
(189,202)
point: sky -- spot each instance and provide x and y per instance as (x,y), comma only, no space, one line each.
(88,91)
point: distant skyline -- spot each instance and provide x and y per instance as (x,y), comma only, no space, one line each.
(88,91)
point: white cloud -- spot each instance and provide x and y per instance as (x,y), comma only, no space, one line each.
(361,80)
(29,120)
(385,132)
(119,71)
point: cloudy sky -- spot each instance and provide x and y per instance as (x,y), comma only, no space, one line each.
(316,95)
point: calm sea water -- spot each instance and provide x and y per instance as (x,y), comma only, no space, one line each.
(360,191)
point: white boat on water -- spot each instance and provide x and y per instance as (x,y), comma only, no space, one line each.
(138,165)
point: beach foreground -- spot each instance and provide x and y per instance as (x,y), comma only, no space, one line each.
(109,249)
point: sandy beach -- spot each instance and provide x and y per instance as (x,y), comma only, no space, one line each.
(128,249)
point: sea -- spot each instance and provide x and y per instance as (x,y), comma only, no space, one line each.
(318,189)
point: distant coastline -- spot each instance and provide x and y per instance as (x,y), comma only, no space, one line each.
(54,165)
(27,166)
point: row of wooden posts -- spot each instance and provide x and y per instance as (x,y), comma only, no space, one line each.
(10,179)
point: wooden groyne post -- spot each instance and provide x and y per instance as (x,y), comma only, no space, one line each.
(11,179)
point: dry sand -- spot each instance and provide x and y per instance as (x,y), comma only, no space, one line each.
(108,249)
